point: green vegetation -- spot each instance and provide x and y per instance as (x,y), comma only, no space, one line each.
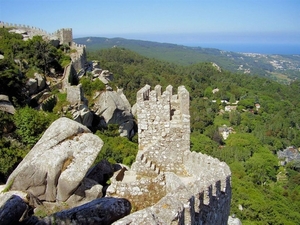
(262,65)
(116,149)
(90,87)
(31,123)
(259,133)
(22,59)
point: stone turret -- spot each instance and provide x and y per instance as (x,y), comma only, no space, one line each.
(163,128)
(168,184)
(65,36)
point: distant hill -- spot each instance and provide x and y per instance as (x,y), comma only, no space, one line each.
(282,68)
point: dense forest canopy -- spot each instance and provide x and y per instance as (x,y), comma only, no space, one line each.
(282,68)
(260,194)
(264,192)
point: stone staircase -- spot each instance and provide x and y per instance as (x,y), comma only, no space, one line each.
(150,164)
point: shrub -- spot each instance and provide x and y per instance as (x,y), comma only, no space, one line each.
(31,124)
(89,86)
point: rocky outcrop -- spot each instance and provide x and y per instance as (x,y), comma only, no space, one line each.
(82,114)
(78,106)
(16,210)
(103,211)
(11,209)
(114,108)
(75,95)
(6,105)
(105,76)
(56,166)
(36,84)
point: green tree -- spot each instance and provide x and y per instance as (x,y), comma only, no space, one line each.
(235,118)
(208,92)
(261,167)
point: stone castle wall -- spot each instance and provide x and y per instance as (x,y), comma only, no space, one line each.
(79,58)
(65,37)
(194,188)
(140,191)
(32,31)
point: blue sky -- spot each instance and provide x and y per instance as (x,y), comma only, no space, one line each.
(173,21)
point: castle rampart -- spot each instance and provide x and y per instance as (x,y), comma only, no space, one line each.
(193,188)
(30,30)
(79,57)
(65,37)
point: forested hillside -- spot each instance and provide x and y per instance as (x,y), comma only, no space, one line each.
(263,191)
(282,68)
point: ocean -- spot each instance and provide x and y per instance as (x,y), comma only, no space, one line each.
(282,49)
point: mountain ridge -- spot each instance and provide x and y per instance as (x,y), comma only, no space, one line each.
(282,68)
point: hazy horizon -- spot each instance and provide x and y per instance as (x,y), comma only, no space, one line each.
(243,47)
(169,21)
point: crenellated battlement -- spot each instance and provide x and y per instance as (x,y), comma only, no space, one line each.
(80,46)
(33,30)
(79,57)
(64,35)
(196,186)
(164,130)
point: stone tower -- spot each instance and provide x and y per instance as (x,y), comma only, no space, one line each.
(163,129)
(65,36)
(169,184)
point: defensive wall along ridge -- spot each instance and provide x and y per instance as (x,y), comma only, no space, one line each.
(64,36)
(167,179)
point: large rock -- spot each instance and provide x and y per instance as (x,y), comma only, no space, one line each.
(101,172)
(41,81)
(87,191)
(114,107)
(106,76)
(57,164)
(32,86)
(36,84)
(232,220)
(83,115)
(12,210)
(6,105)
(75,95)
(102,211)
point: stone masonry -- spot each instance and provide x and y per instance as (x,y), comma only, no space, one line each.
(164,130)
(169,184)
